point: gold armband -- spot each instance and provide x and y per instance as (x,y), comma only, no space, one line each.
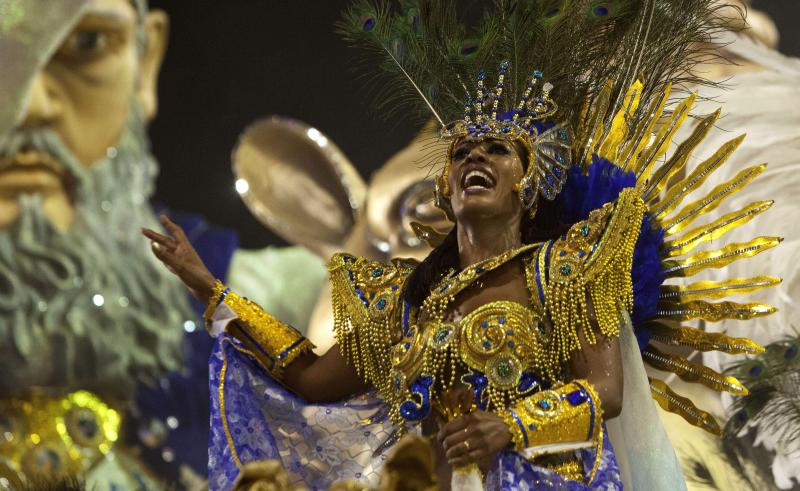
(218,293)
(556,420)
(275,344)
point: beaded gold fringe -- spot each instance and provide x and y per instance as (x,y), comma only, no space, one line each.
(363,334)
(605,281)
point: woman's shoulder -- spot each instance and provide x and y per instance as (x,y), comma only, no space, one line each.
(590,246)
(370,288)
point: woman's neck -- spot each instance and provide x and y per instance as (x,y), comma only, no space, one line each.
(482,240)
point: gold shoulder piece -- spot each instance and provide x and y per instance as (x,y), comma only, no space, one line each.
(692,372)
(672,402)
(593,260)
(367,312)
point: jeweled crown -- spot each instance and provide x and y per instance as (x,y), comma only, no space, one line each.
(481,117)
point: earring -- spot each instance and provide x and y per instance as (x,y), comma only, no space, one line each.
(527,192)
(441,201)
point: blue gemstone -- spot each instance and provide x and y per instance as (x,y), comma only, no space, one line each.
(601,10)
(479,269)
(577,397)
(511,344)
(562,253)
(394,287)
(368,24)
(581,253)
(482,72)
(407,345)
(544,404)
(527,381)
(501,320)
(510,332)
(532,427)
(487,344)
(282,356)
(504,65)
(381,304)
(484,324)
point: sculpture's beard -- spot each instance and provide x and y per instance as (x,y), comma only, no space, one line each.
(90,308)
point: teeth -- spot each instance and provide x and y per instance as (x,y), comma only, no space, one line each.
(473,173)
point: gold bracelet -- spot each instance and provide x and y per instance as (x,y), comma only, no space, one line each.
(569,414)
(218,292)
(274,343)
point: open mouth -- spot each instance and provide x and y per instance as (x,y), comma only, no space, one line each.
(477,180)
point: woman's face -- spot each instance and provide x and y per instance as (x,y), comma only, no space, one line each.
(482,179)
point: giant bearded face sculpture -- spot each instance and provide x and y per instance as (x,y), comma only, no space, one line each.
(82,304)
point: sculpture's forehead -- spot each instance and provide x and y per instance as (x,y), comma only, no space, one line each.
(30,31)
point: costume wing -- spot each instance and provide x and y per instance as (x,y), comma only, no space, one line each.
(631,148)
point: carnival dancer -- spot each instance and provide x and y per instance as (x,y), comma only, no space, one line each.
(512,343)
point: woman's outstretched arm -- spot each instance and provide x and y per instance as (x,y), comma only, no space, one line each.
(316,378)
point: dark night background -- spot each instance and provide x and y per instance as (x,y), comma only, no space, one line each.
(233,61)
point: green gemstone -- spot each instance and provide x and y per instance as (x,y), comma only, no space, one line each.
(566,269)
(503,369)
(441,335)
(563,135)
(585,229)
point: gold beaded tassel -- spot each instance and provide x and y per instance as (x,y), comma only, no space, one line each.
(363,340)
(606,280)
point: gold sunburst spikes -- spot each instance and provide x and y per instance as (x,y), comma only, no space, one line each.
(618,132)
(672,402)
(720,193)
(713,312)
(644,130)
(592,127)
(701,340)
(678,159)
(718,258)
(715,229)
(692,372)
(646,160)
(716,289)
(680,190)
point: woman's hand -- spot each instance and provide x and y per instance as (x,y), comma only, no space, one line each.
(180,258)
(474,438)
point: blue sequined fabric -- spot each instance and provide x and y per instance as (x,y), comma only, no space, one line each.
(320,444)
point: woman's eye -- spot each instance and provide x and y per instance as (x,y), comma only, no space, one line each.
(86,45)
(498,148)
(460,153)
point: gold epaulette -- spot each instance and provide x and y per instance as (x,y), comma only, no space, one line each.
(592,262)
(368,314)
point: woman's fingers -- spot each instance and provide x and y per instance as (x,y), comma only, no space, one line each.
(158,238)
(461,448)
(166,256)
(456,438)
(472,457)
(453,427)
(173,228)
